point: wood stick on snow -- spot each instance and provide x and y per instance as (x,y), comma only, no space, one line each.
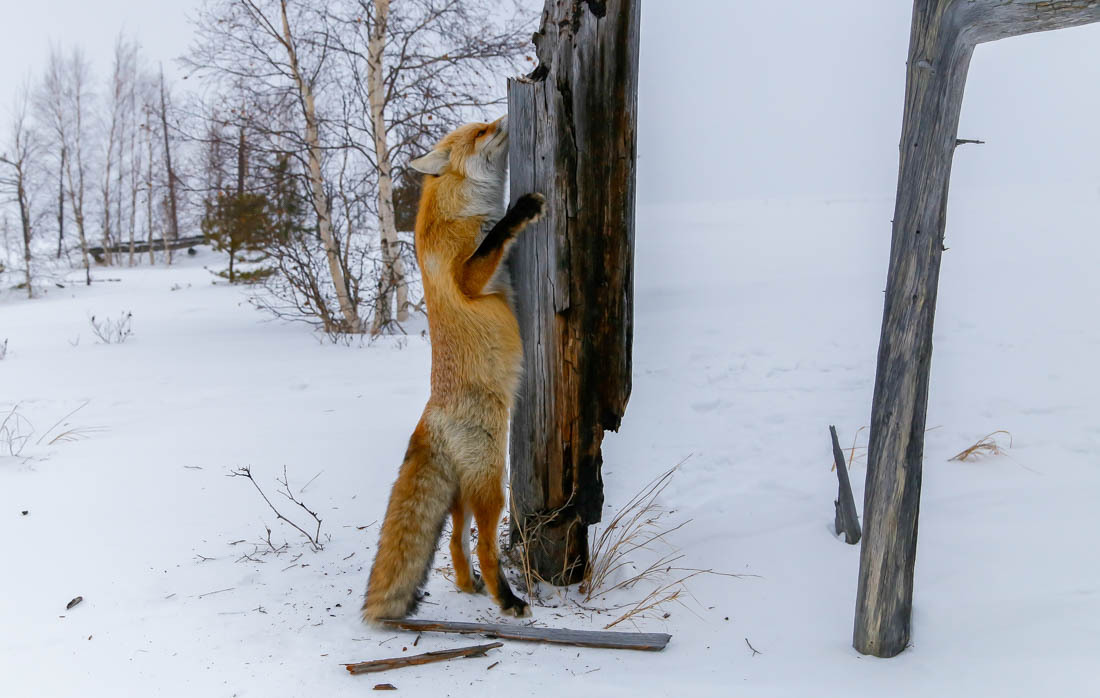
(376,665)
(580,638)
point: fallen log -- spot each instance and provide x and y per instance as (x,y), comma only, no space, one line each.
(651,642)
(376,665)
(98,251)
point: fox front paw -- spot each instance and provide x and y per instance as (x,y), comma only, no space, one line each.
(530,207)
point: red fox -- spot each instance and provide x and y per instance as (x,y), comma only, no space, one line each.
(455,459)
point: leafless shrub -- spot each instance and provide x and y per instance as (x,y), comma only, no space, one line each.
(313,538)
(4,349)
(987,445)
(109,331)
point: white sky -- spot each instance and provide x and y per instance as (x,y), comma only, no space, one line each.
(744,98)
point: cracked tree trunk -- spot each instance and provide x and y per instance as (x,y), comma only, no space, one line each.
(942,40)
(573,138)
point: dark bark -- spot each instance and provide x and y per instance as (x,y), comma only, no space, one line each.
(942,40)
(573,139)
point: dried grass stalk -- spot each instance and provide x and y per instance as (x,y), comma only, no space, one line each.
(987,445)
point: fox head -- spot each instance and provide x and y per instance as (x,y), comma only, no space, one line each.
(473,158)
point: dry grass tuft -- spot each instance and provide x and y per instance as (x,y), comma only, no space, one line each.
(985,446)
(641,524)
(853,449)
(637,526)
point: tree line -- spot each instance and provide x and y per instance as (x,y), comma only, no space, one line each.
(284,144)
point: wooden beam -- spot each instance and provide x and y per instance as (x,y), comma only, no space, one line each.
(942,40)
(572,125)
(559,636)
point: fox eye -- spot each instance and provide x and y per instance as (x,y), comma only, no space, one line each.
(482,132)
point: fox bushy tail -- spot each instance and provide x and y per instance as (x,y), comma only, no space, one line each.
(418,507)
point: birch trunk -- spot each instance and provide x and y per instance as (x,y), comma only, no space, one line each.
(107,256)
(61,204)
(149,190)
(173,218)
(391,282)
(76,184)
(316,184)
(76,200)
(942,40)
(25,219)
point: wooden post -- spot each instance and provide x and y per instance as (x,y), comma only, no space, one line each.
(573,135)
(942,40)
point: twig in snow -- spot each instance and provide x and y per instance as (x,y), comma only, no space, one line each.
(315,538)
(426,658)
(754,650)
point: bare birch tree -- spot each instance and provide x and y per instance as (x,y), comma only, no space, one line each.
(63,104)
(17,158)
(428,65)
(268,53)
(173,231)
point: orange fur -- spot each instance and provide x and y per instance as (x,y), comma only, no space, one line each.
(455,462)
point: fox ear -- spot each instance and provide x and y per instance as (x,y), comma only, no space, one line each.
(433,163)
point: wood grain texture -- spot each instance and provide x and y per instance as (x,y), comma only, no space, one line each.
(943,36)
(573,125)
(559,636)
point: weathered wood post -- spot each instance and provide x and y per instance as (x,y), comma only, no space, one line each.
(573,138)
(942,40)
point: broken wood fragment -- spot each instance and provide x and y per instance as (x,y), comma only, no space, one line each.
(376,665)
(847,521)
(651,642)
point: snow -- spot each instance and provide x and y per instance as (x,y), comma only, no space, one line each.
(757,327)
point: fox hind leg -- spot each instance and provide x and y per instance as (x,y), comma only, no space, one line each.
(465,578)
(488,505)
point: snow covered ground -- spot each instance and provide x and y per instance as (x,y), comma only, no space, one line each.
(757,327)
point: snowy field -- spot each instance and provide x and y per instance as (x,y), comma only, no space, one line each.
(757,327)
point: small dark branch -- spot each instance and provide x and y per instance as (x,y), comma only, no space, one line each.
(314,539)
(847,521)
(754,650)
(376,665)
(964,141)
